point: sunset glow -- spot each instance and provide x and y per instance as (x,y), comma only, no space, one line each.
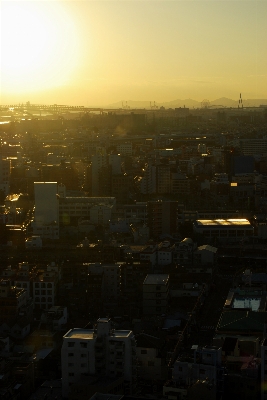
(38,46)
(99,52)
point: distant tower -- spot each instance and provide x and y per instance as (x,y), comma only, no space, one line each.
(240,102)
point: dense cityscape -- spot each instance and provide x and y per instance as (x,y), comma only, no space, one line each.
(133,252)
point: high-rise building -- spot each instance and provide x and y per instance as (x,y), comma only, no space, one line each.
(46,210)
(5,168)
(156,294)
(162,217)
(101,352)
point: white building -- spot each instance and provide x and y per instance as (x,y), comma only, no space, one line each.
(165,253)
(206,254)
(101,351)
(149,254)
(205,366)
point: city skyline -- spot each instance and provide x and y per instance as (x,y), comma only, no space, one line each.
(99,53)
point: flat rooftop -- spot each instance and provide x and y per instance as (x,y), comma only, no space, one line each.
(77,333)
(89,334)
(247,302)
(156,279)
(240,222)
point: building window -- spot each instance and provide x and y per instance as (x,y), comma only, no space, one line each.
(70,364)
(83,355)
(71,373)
(71,354)
(83,365)
(83,345)
(71,344)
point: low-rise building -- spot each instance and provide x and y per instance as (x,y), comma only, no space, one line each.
(225,230)
(102,351)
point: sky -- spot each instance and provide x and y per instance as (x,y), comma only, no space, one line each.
(102,52)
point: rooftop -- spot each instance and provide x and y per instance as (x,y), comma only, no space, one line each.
(89,334)
(156,279)
(78,333)
(242,321)
(223,222)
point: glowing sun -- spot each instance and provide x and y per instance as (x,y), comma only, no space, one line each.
(39,45)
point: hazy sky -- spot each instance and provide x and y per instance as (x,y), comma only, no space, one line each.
(100,52)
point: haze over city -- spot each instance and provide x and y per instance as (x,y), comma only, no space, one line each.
(103,52)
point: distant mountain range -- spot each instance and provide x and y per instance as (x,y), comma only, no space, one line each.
(190,103)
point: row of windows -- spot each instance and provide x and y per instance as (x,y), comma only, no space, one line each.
(83,365)
(83,355)
(83,345)
(24,285)
(226,233)
(43,300)
(43,285)
(44,292)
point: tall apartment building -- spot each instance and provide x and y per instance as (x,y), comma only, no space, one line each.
(102,352)
(253,146)
(5,169)
(102,169)
(163,178)
(45,287)
(162,217)
(46,215)
(147,184)
(155,294)
(180,184)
